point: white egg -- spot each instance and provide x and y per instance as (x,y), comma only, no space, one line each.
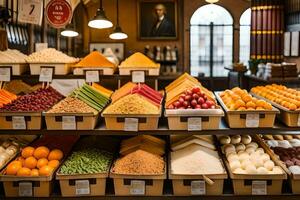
(239,171)
(244,156)
(262,170)
(245,163)
(251,169)
(258,162)
(265,157)
(234,165)
(232,157)
(269,165)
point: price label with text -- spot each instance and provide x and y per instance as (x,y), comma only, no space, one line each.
(46,74)
(68,122)
(5,74)
(299,120)
(82,187)
(138,76)
(40,46)
(252,120)
(18,122)
(259,187)
(92,76)
(198,188)
(194,124)
(30,11)
(25,189)
(131,124)
(137,187)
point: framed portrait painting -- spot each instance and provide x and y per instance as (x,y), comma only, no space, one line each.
(157,19)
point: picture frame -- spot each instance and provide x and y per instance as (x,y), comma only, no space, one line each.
(295,44)
(157,19)
(117,48)
(287,44)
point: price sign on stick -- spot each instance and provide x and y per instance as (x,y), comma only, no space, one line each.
(137,187)
(259,187)
(5,74)
(198,188)
(46,74)
(82,187)
(18,122)
(194,124)
(138,77)
(25,189)
(131,124)
(252,120)
(30,11)
(92,76)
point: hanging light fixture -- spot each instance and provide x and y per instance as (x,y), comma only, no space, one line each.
(118,34)
(100,20)
(211,1)
(69,31)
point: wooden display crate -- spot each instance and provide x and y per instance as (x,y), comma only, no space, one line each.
(16,68)
(146,185)
(102,70)
(289,118)
(248,118)
(208,119)
(83,121)
(59,68)
(118,122)
(82,185)
(148,70)
(33,120)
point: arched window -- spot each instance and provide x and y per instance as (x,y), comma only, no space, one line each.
(245,26)
(211,47)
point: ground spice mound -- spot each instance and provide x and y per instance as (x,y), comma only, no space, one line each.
(95,59)
(141,163)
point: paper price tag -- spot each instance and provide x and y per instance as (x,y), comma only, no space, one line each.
(30,11)
(299,120)
(68,122)
(259,187)
(137,187)
(131,124)
(40,46)
(252,120)
(18,122)
(198,188)
(92,76)
(195,124)
(46,74)
(82,187)
(138,76)
(25,189)
(5,74)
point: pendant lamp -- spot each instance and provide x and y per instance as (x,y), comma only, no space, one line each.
(69,31)
(118,34)
(100,21)
(211,1)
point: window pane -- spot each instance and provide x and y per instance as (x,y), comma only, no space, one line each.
(245,23)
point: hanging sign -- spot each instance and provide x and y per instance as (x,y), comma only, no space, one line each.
(59,13)
(30,11)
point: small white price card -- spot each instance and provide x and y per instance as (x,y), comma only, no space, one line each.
(137,187)
(82,187)
(138,76)
(46,74)
(299,120)
(18,122)
(41,46)
(194,124)
(25,189)
(68,122)
(30,11)
(92,76)
(252,120)
(259,187)
(131,124)
(5,74)
(198,188)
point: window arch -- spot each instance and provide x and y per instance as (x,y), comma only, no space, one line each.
(245,28)
(211,40)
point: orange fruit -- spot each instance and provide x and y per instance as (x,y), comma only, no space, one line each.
(239,103)
(34,172)
(241,108)
(30,162)
(22,160)
(246,98)
(41,152)
(55,154)
(292,106)
(24,171)
(16,162)
(250,108)
(53,163)
(13,168)
(260,108)
(260,103)
(268,106)
(27,152)
(250,104)
(46,171)
(41,163)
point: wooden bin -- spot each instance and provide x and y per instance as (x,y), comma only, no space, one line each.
(33,120)
(117,122)
(84,121)
(146,185)
(289,118)
(102,70)
(178,119)
(18,186)
(238,119)
(148,70)
(59,68)
(17,68)
(82,185)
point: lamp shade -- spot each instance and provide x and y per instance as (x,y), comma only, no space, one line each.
(100,21)
(211,1)
(69,33)
(118,34)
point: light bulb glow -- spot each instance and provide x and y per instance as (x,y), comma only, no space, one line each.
(118,36)
(69,33)
(100,24)
(211,1)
